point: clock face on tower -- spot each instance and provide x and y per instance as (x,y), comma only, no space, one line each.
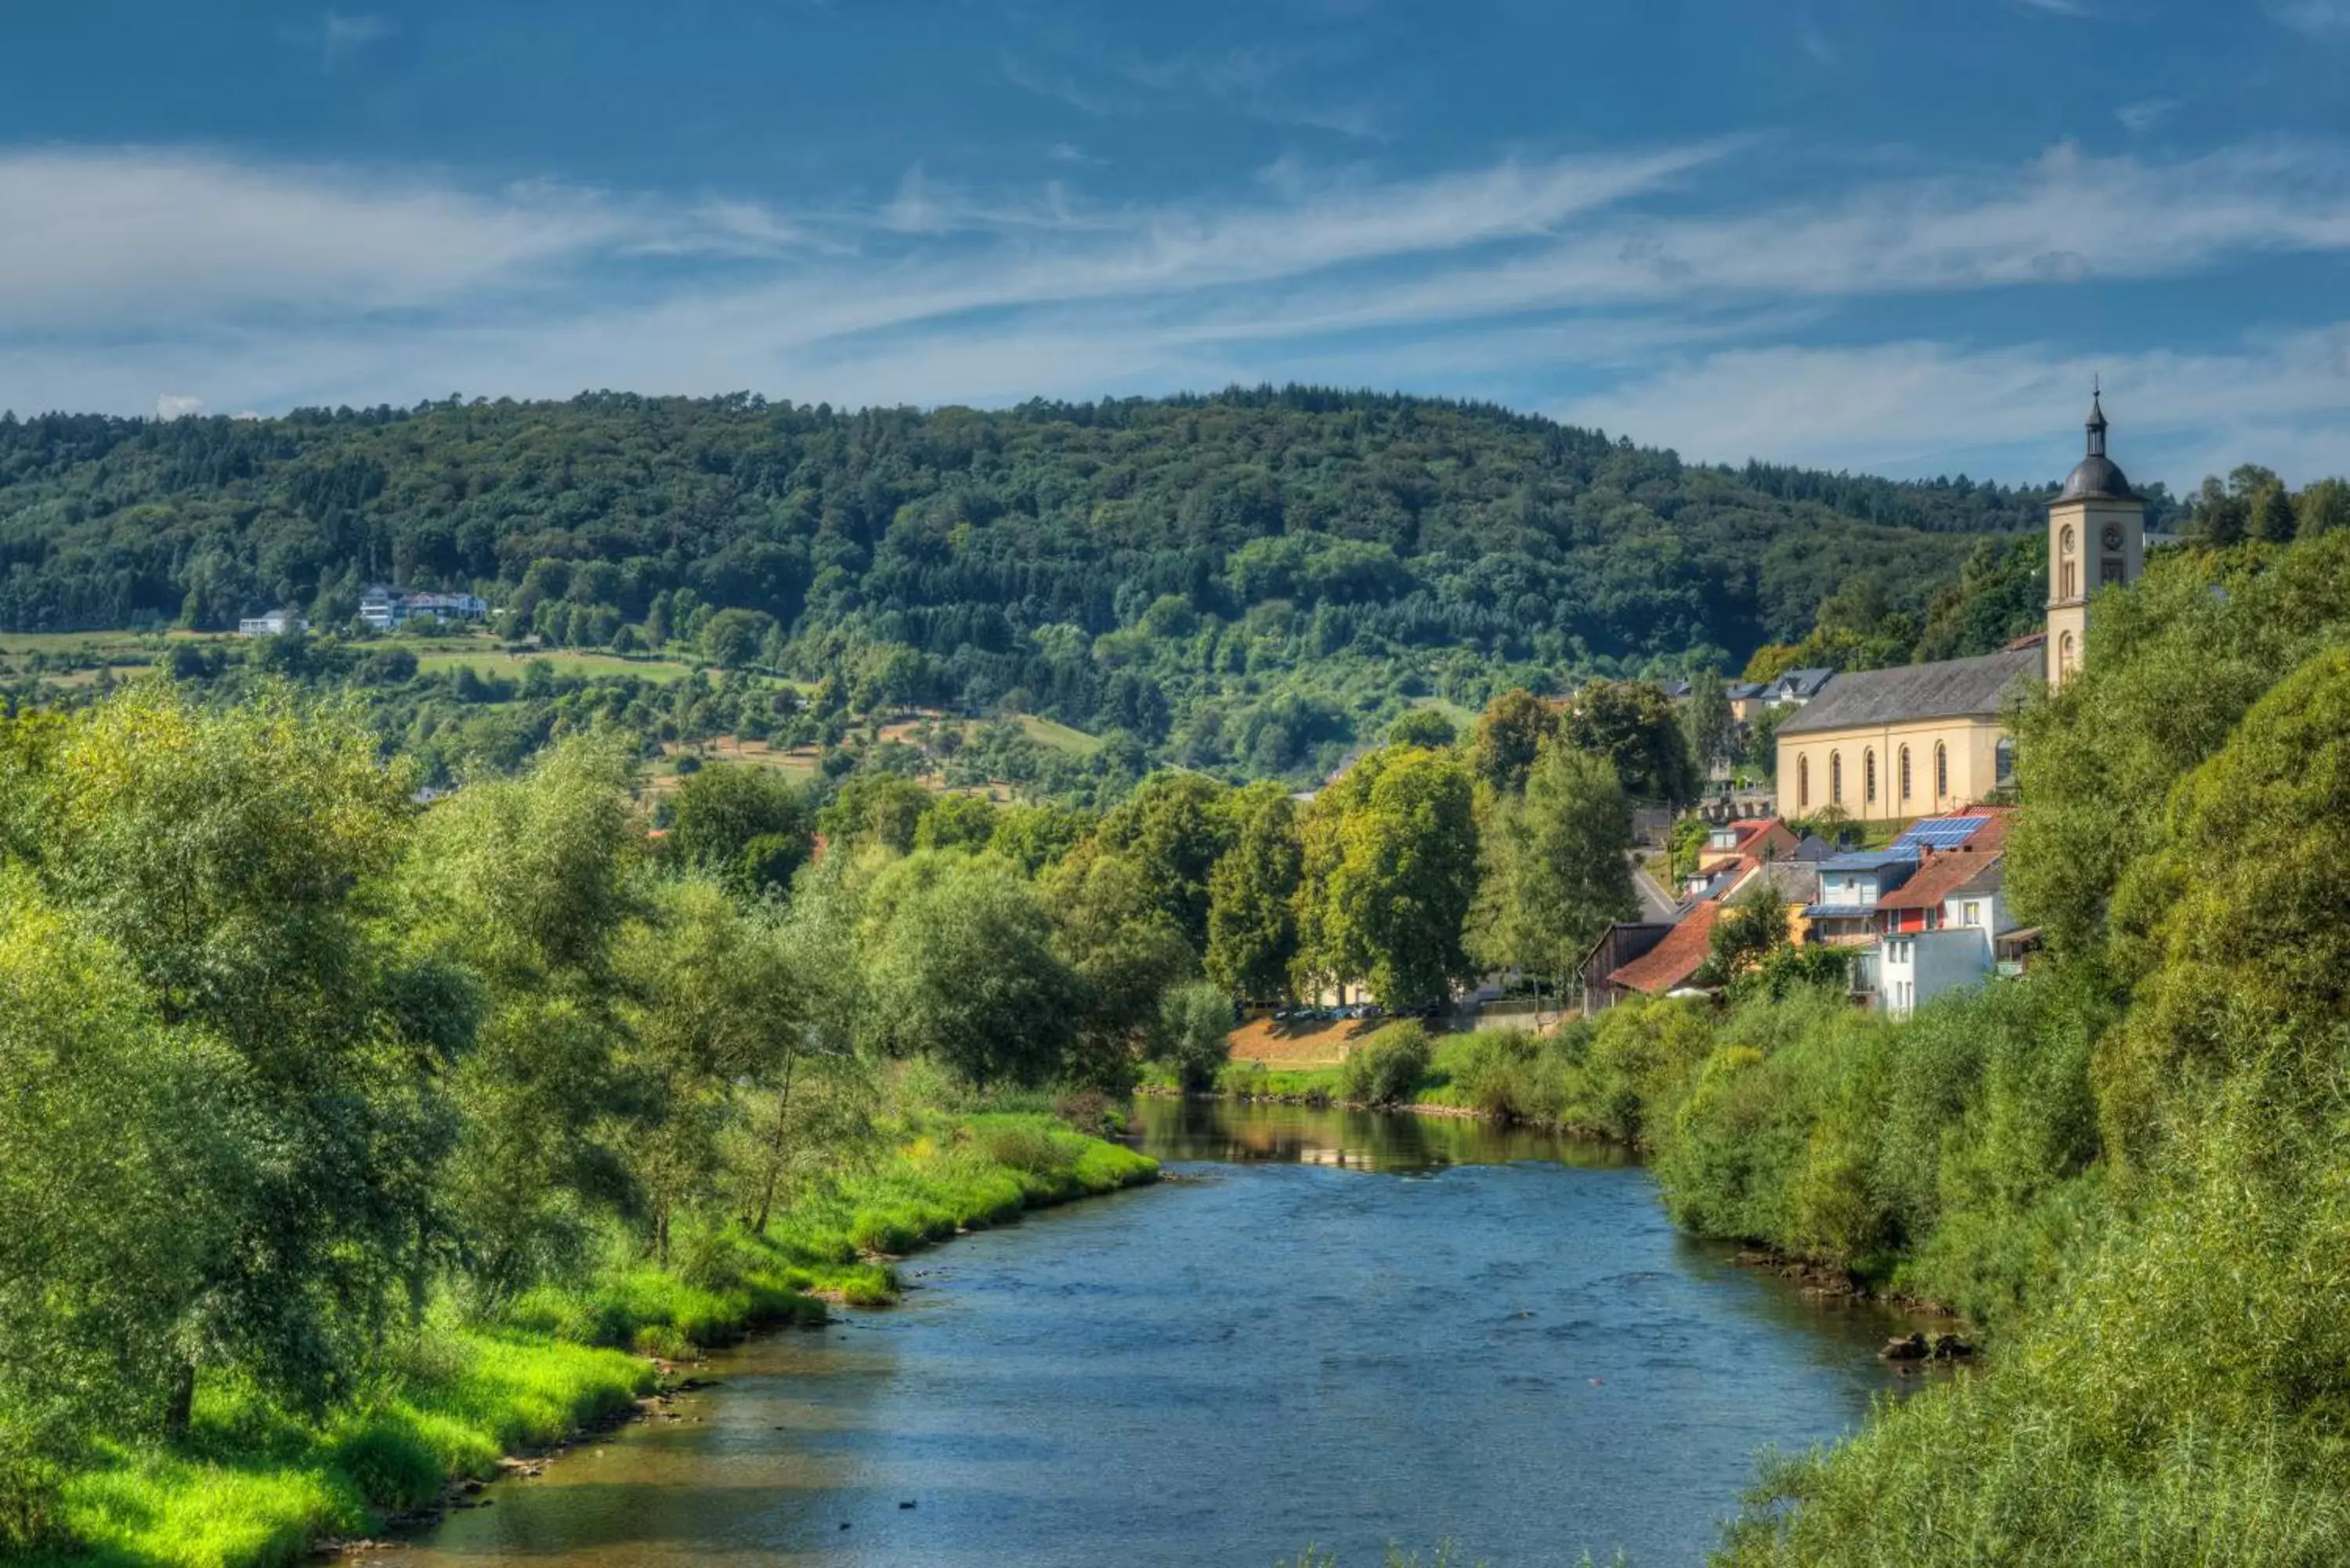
(2113,536)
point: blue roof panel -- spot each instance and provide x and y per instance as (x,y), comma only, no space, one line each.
(1870,860)
(1940,832)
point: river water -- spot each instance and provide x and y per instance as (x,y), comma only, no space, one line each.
(1342,1329)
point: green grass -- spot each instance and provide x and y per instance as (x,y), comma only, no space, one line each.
(96,641)
(254,1485)
(1266,1083)
(1058,737)
(435,658)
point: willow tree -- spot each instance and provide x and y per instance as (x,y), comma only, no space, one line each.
(526,883)
(235,858)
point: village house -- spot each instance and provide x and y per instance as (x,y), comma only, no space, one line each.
(1796,687)
(1758,838)
(1667,964)
(1851,888)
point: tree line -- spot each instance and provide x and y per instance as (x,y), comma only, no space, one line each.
(1252,584)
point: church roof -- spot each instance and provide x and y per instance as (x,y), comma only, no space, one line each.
(1950,689)
(2095,477)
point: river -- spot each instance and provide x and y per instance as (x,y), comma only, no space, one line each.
(1342,1329)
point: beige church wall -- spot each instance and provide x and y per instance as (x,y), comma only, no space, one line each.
(2076,576)
(1974,768)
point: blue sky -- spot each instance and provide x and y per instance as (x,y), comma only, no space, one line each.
(1898,235)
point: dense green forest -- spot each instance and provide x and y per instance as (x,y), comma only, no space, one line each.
(1252,582)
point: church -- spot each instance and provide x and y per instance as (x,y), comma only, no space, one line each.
(1885,744)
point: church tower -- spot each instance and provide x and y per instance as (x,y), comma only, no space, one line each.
(2096,539)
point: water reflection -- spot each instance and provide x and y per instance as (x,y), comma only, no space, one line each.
(1466,1334)
(1405,1143)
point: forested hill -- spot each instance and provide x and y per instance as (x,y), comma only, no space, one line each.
(1111,562)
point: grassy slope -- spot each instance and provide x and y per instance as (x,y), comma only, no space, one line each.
(1058,737)
(255,1485)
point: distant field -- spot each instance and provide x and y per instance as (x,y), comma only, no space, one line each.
(798,762)
(126,642)
(435,658)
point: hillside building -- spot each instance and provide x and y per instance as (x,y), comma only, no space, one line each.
(1885,744)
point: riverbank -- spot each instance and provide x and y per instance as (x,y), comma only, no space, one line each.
(255,1485)
(1577,1376)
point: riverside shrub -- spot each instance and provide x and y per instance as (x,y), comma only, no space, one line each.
(1387,1068)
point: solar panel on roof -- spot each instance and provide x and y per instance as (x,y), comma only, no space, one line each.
(1941,832)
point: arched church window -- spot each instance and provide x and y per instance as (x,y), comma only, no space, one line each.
(1802,784)
(2068,657)
(2003,760)
(2065,540)
(1941,770)
(1868,775)
(1905,773)
(1836,778)
(2069,577)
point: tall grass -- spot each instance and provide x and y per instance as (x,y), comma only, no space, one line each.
(2187,1401)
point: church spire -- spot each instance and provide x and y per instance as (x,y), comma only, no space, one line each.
(2096,417)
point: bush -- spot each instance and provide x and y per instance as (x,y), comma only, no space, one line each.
(1194,1037)
(1387,1068)
(1021,1148)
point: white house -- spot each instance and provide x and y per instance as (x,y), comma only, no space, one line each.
(276,623)
(1979,903)
(1918,966)
(384,609)
(1914,967)
(380,609)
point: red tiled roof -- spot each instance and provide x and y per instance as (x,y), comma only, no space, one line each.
(1941,875)
(1668,965)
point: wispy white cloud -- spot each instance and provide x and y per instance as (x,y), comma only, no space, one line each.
(2327,19)
(243,286)
(1921,405)
(177,406)
(347,35)
(2145,113)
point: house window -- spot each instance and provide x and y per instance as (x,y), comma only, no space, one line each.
(1905,773)
(1972,914)
(1836,778)
(1802,784)
(1868,775)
